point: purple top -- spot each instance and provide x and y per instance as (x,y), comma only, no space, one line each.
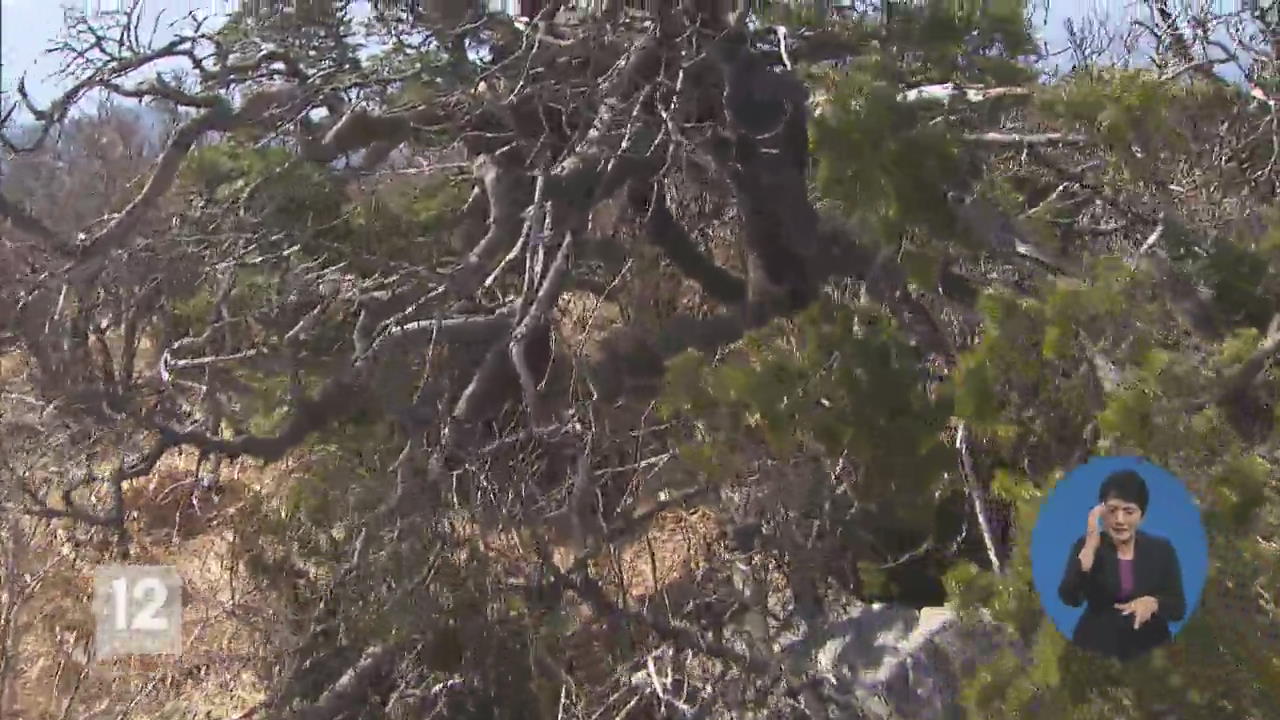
(1126,578)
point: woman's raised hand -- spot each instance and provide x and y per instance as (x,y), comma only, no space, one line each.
(1093,532)
(1092,537)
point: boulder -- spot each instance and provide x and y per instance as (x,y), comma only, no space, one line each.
(899,662)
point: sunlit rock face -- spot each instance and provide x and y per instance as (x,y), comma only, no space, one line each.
(891,661)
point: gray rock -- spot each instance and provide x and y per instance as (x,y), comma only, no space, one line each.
(898,662)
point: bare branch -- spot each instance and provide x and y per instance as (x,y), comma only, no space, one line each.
(1239,381)
(31,225)
(666,233)
(547,296)
(354,686)
(1005,139)
(952,92)
(974,489)
(93,253)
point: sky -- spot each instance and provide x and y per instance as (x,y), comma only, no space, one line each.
(27,27)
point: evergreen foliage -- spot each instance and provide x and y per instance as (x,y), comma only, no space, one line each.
(840,423)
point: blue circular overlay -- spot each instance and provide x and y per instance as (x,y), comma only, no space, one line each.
(1172,513)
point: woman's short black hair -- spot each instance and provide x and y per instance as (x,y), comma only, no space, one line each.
(1125,485)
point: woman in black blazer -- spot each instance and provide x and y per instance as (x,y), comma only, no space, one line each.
(1130,580)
